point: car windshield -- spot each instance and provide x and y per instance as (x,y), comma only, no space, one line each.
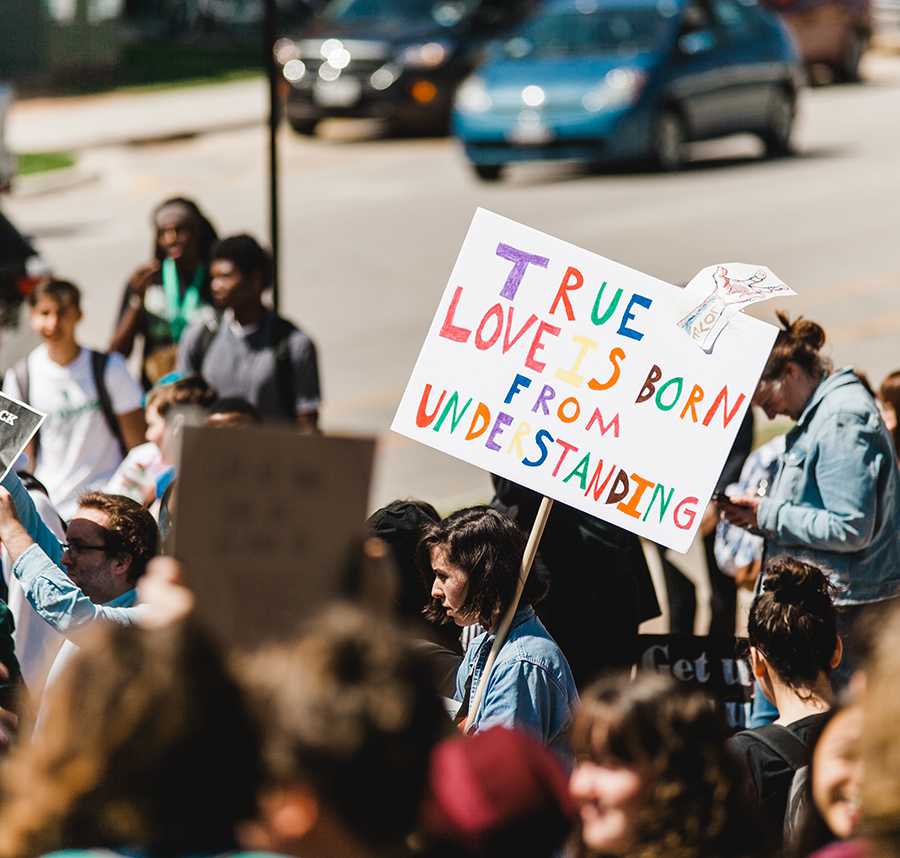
(446,13)
(596,30)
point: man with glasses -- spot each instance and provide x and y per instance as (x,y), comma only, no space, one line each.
(92,576)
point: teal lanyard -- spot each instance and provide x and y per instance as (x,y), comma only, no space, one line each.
(180,307)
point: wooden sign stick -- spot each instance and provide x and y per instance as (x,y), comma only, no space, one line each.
(534,539)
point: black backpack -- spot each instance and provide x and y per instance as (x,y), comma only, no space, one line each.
(794,751)
(99,361)
(284,371)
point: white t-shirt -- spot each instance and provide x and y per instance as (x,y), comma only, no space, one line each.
(77,451)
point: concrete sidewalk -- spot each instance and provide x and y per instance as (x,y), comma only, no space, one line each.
(84,122)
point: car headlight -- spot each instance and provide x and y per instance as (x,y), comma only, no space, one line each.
(428,55)
(619,88)
(473,97)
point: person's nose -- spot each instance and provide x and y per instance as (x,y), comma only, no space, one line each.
(66,559)
(436,590)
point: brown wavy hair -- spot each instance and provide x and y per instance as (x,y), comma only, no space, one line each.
(488,546)
(889,394)
(799,341)
(146,742)
(694,803)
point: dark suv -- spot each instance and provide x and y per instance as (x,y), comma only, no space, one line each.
(396,60)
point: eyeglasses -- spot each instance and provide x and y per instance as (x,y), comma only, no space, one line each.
(81,547)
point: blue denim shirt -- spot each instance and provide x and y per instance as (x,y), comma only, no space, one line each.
(531,686)
(835,500)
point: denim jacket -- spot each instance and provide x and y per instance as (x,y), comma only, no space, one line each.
(835,500)
(531,685)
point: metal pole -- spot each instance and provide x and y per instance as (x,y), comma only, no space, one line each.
(269,35)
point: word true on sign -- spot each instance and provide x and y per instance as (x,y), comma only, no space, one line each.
(566,372)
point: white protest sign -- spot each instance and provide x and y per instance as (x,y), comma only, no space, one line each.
(566,372)
(18,424)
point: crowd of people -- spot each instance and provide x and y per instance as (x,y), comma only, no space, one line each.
(469,708)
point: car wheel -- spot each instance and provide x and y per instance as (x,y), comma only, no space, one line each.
(306,127)
(780,125)
(847,70)
(488,172)
(669,142)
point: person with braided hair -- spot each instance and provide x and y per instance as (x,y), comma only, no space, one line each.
(794,647)
(835,500)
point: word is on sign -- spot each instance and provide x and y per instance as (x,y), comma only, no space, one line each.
(567,373)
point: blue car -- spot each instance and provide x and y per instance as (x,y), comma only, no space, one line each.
(606,80)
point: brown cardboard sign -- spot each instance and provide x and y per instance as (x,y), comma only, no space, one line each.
(264,523)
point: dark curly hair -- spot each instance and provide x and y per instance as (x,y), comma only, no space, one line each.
(489,547)
(793,621)
(694,803)
(133,529)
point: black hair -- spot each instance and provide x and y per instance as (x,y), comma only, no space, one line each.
(235,405)
(206,232)
(401,524)
(489,547)
(793,621)
(247,255)
(62,292)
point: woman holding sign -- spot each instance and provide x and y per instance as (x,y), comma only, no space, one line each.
(472,560)
(835,500)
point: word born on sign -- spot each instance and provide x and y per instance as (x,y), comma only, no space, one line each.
(8,418)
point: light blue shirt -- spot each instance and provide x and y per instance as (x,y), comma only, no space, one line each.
(530,687)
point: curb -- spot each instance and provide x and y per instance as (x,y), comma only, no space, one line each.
(53,181)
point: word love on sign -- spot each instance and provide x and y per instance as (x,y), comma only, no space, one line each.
(567,373)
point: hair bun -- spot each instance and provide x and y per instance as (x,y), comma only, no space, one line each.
(792,582)
(802,331)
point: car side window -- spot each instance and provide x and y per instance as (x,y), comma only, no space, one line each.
(736,19)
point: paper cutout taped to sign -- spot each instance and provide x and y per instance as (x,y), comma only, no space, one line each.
(723,291)
(563,371)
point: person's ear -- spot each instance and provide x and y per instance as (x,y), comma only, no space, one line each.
(258,281)
(838,653)
(120,565)
(758,663)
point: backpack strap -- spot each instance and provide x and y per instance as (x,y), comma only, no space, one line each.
(99,361)
(284,369)
(782,742)
(20,371)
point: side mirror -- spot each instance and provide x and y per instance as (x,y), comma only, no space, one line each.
(695,43)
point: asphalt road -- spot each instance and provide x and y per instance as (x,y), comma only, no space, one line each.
(371,229)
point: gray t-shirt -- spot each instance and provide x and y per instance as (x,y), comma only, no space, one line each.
(243,361)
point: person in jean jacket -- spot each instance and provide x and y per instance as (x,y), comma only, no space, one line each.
(472,560)
(835,500)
